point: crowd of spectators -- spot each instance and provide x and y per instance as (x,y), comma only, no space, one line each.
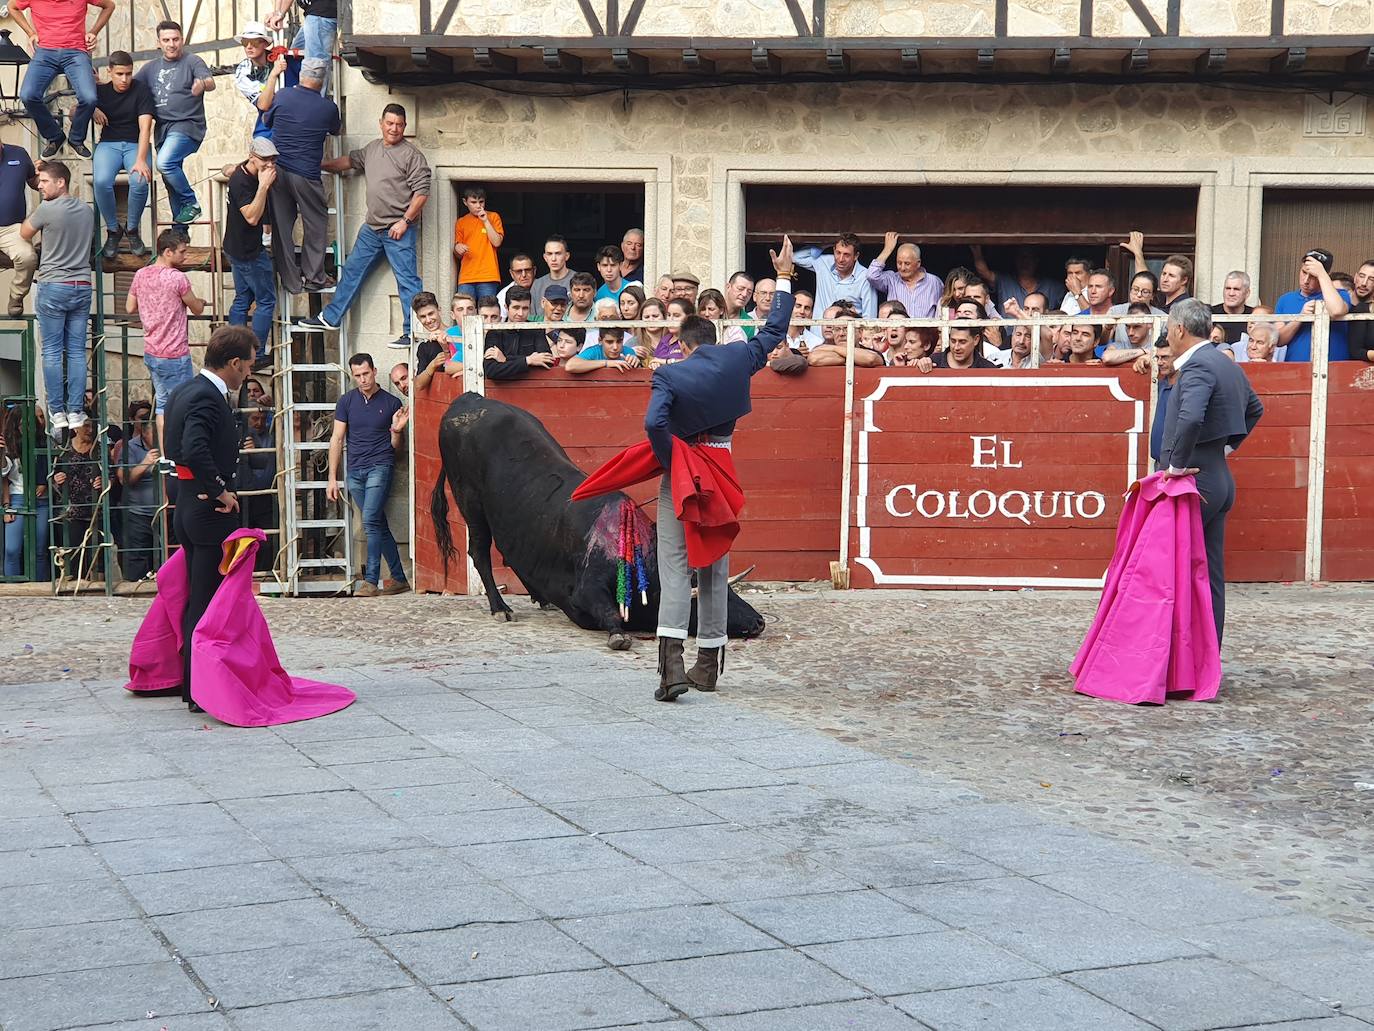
(1082,319)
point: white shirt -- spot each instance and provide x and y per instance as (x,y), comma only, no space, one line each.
(1179,362)
(219,383)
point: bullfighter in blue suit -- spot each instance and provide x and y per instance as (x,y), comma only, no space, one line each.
(699,400)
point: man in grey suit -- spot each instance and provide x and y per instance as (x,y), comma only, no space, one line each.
(1211,410)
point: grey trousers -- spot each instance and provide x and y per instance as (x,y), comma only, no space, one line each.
(294,195)
(1218,490)
(675,582)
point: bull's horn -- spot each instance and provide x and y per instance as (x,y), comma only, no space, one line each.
(733,580)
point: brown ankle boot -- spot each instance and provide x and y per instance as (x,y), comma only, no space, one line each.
(672,673)
(709,666)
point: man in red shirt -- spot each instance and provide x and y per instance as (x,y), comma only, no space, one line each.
(61,46)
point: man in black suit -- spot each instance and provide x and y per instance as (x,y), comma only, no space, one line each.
(1212,409)
(202,437)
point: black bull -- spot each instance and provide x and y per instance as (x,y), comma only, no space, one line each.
(513,484)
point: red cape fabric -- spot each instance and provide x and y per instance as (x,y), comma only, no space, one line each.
(707,497)
(235,674)
(1154,636)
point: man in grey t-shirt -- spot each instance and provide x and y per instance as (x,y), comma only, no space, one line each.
(179,82)
(556,258)
(398,182)
(64,292)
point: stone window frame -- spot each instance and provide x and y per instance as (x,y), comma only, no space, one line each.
(653,172)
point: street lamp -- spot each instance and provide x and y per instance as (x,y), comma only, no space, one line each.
(12,60)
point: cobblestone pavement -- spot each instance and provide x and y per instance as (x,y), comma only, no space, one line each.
(896,815)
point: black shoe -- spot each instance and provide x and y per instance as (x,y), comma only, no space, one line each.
(111,248)
(136,245)
(194,707)
(50,148)
(315,324)
(79,148)
(402,342)
(261,362)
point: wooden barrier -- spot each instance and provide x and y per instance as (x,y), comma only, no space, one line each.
(1000,436)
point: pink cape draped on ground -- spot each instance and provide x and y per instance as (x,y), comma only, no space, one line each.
(1154,635)
(235,674)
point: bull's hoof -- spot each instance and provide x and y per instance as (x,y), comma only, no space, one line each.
(505,615)
(618,642)
(546,606)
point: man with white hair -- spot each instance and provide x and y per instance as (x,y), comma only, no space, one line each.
(916,289)
(1212,409)
(1261,344)
(632,260)
(1234,293)
(300,119)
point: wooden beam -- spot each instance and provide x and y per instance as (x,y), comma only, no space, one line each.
(556,60)
(626,60)
(818,18)
(613,17)
(446,14)
(837,60)
(765,61)
(1291,60)
(589,16)
(489,60)
(1147,19)
(1085,17)
(694,62)
(1063,58)
(1213,62)
(798,19)
(431,60)
(1361,63)
(999,18)
(1136,61)
(627,27)
(366,60)
(1172,17)
(1277,16)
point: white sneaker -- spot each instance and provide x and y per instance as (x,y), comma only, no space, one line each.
(57,420)
(75,420)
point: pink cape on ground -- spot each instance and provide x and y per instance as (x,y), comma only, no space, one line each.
(235,673)
(1154,635)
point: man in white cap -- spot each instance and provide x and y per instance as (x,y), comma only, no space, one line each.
(300,118)
(255,289)
(255,77)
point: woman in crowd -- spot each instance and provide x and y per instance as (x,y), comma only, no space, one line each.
(12,492)
(77,476)
(652,310)
(917,343)
(955,281)
(631,302)
(711,305)
(668,348)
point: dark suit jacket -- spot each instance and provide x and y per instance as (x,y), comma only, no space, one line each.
(515,344)
(708,391)
(1211,401)
(201,432)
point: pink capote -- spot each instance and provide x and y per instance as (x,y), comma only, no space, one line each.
(1154,635)
(235,673)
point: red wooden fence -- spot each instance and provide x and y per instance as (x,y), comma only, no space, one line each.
(1070,430)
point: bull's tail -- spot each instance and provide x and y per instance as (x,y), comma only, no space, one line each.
(438,512)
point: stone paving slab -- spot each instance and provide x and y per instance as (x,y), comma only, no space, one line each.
(502,846)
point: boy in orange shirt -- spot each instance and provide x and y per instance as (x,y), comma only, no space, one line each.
(475,238)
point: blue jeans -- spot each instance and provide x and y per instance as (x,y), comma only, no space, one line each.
(317,37)
(254,285)
(14,541)
(175,149)
(368,488)
(64,313)
(110,160)
(478,290)
(46,66)
(167,374)
(368,249)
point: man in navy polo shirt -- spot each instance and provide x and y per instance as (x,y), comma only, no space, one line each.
(17,177)
(371,422)
(300,120)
